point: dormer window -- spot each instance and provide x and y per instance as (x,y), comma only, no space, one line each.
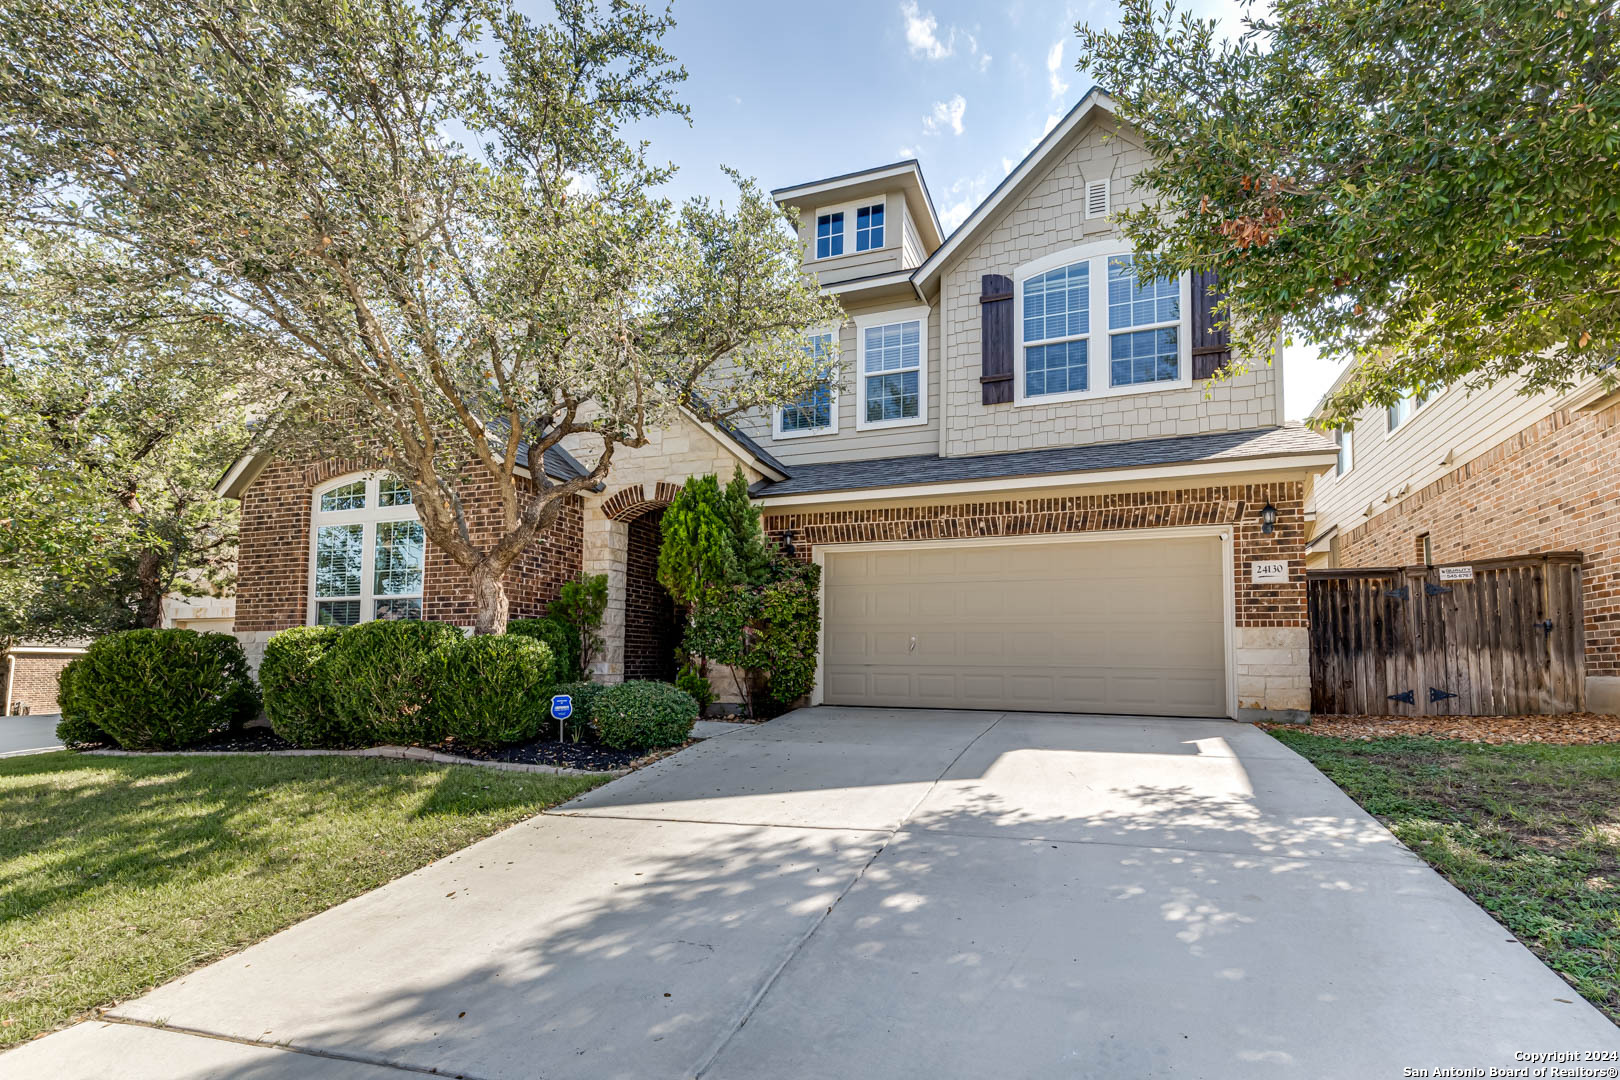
(869,227)
(830,235)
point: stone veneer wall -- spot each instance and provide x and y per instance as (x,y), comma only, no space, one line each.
(272,589)
(1555,486)
(1271,641)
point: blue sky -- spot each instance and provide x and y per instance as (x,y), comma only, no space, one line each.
(790,93)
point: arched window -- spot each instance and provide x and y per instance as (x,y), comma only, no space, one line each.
(366,552)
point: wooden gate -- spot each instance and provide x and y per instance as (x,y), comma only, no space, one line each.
(1497,637)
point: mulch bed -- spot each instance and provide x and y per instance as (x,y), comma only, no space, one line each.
(253,740)
(1572,729)
(569,755)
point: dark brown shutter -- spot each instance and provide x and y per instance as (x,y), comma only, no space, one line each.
(996,339)
(1211,348)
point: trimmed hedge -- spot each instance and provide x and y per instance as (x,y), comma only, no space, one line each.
(639,715)
(75,729)
(560,637)
(492,690)
(378,680)
(161,689)
(295,696)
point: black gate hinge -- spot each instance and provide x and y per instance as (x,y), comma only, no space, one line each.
(1408,696)
(1435,590)
(1397,594)
(1439,695)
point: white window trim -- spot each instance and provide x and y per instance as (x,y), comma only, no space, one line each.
(1417,407)
(884,318)
(849,209)
(837,377)
(1097,360)
(369,518)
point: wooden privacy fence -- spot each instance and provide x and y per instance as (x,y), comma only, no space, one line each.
(1498,637)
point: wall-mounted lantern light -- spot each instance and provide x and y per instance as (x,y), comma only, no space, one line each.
(1268,519)
(787,545)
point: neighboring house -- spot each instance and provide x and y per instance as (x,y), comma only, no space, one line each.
(1455,476)
(1023,492)
(30,677)
(204,614)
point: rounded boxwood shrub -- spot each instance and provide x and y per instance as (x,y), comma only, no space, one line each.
(294,698)
(639,715)
(75,729)
(577,726)
(378,680)
(492,690)
(162,689)
(559,636)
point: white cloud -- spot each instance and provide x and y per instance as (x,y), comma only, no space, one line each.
(1054,66)
(1051,122)
(922,33)
(946,114)
(907,152)
(981,59)
(961,199)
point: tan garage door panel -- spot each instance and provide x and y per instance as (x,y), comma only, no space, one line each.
(1118,626)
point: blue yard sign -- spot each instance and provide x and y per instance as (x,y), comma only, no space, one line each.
(562,707)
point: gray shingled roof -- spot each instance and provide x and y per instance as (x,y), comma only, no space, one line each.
(1290,440)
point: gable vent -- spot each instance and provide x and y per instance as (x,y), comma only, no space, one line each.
(1097,199)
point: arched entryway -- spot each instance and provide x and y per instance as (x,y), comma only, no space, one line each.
(651,629)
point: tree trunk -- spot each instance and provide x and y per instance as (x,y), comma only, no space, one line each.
(489,596)
(149,583)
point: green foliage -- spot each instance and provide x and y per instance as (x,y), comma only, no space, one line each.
(640,715)
(378,680)
(580,604)
(294,694)
(1432,186)
(695,683)
(433,221)
(584,695)
(75,728)
(769,631)
(492,690)
(162,689)
(560,637)
(711,537)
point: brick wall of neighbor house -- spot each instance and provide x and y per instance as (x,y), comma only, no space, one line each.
(1052,218)
(649,618)
(34,682)
(1270,636)
(272,591)
(1555,486)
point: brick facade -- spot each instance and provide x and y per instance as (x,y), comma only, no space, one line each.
(650,631)
(34,681)
(272,590)
(1270,646)
(1555,486)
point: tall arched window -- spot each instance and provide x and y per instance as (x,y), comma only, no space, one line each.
(366,552)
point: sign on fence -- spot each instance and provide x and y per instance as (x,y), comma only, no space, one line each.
(1456,573)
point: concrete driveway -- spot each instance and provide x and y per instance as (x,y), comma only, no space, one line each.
(866,893)
(28,734)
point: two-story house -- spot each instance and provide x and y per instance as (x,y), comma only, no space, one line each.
(1453,476)
(1022,489)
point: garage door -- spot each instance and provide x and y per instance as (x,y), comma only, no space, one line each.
(1128,626)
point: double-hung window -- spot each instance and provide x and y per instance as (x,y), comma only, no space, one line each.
(1057,329)
(1085,326)
(891,354)
(1144,326)
(1400,412)
(816,413)
(869,227)
(829,235)
(367,552)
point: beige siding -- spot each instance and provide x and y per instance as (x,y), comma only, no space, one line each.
(1446,432)
(849,444)
(1047,218)
(857,264)
(912,252)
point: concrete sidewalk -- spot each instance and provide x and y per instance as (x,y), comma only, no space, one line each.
(873,893)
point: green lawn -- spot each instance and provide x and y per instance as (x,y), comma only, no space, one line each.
(117,874)
(1532,833)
